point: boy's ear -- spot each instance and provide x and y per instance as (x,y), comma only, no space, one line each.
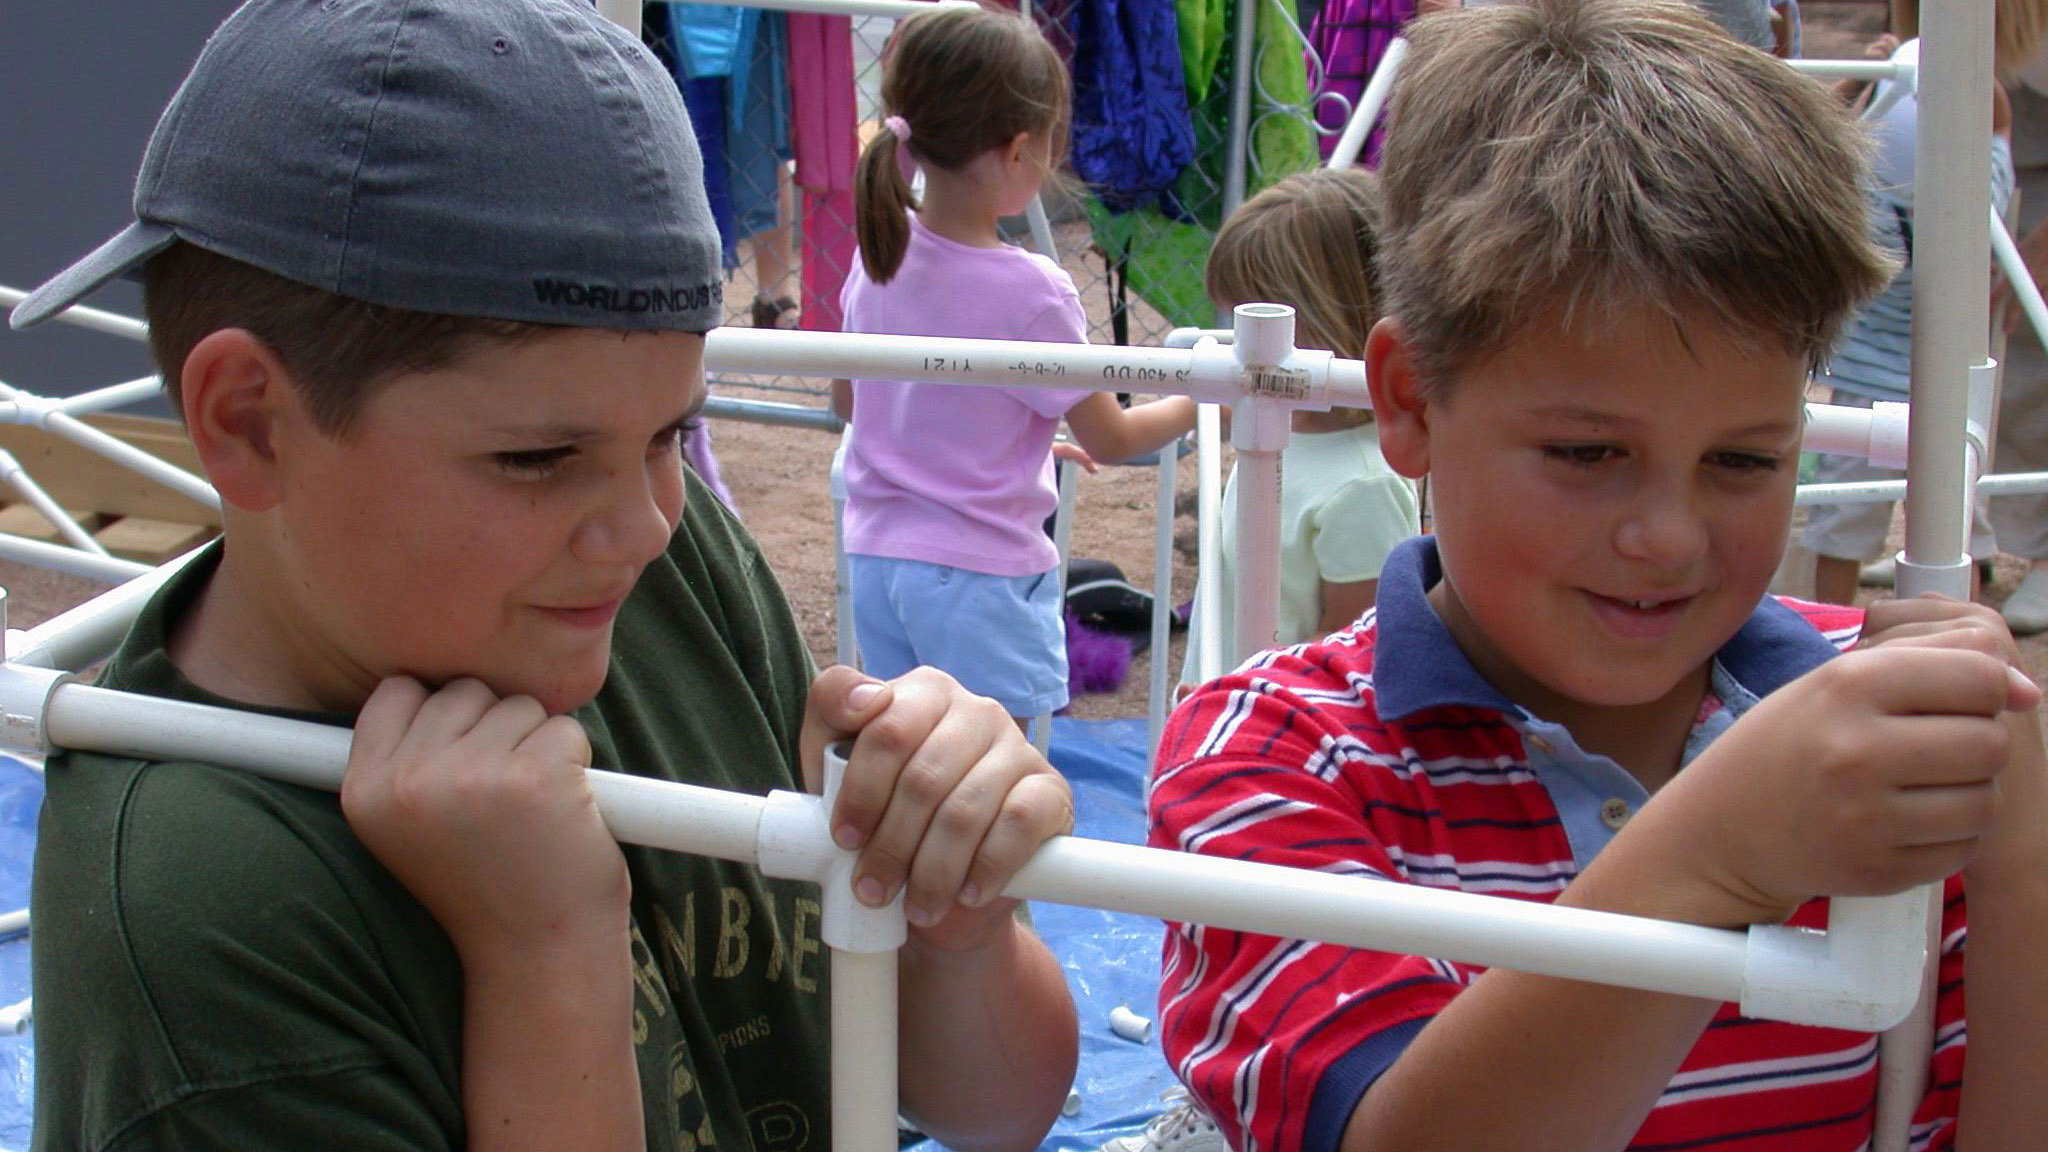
(1397,398)
(234,391)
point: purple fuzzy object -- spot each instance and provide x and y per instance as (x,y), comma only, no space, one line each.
(1096,661)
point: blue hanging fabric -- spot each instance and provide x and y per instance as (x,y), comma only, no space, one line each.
(1131,134)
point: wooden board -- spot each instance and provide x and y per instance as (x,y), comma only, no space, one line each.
(77,477)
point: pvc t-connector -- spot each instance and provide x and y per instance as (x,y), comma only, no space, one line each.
(1862,974)
(795,843)
(25,692)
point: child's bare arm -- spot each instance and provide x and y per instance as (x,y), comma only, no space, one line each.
(480,808)
(1895,789)
(1344,601)
(1112,434)
(945,798)
(2007,891)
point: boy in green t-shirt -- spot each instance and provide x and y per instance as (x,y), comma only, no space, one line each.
(428,282)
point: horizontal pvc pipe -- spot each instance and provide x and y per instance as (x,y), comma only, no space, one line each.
(994,363)
(18,479)
(58,558)
(772,412)
(88,633)
(113,396)
(1370,102)
(1885,491)
(14,923)
(1851,69)
(893,8)
(112,323)
(1791,974)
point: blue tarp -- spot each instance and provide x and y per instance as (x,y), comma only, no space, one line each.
(1110,959)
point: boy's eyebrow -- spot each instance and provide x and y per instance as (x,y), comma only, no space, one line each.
(1598,420)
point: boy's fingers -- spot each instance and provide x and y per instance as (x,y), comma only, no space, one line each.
(938,778)
(448,715)
(559,739)
(1913,680)
(384,720)
(1943,751)
(1040,807)
(507,723)
(958,834)
(1936,816)
(842,701)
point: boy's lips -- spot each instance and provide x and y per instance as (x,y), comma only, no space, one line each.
(1651,617)
(589,615)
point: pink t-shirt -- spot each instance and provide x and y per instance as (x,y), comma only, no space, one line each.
(958,474)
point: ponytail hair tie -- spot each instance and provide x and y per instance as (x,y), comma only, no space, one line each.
(900,128)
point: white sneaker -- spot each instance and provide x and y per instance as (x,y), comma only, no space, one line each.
(1183,1127)
(1879,573)
(2026,610)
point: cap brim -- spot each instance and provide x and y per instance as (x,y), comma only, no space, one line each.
(125,252)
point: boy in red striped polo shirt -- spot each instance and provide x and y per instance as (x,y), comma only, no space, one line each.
(1617,243)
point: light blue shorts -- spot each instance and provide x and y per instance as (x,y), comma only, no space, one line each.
(1000,636)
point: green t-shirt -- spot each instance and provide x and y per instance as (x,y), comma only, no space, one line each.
(219,962)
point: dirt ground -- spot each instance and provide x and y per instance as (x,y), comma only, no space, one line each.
(779,478)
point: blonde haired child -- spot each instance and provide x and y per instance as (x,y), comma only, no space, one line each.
(1308,242)
(947,485)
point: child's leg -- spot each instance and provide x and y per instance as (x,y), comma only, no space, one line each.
(1834,579)
(885,650)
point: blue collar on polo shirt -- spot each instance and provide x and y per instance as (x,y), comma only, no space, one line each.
(1418,666)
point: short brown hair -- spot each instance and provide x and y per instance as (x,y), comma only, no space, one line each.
(1578,158)
(964,80)
(339,350)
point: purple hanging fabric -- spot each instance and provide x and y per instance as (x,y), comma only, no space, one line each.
(826,142)
(1350,37)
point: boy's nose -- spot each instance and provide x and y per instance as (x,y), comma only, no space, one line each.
(1664,532)
(635,523)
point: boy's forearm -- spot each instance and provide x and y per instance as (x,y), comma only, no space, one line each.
(2007,986)
(1590,1060)
(547,1049)
(988,1042)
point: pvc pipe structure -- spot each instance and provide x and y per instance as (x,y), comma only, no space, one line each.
(1861,974)
(1872,70)
(1259,426)
(1159,690)
(14,923)
(112,396)
(1306,379)
(87,634)
(78,315)
(1370,102)
(896,9)
(848,650)
(2018,280)
(51,416)
(1951,334)
(1208,542)
(772,412)
(1063,541)
(58,558)
(18,479)
(1885,491)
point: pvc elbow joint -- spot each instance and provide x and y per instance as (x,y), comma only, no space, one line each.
(1864,973)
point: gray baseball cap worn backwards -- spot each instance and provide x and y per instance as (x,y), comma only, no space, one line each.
(512,159)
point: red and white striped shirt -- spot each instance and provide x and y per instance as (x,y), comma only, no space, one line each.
(1425,774)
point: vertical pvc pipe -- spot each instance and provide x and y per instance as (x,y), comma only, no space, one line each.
(1041,229)
(1237,147)
(1162,606)
(842,577)
(1062,538)
(1258,430)
(1209,544)
(863,1051)
(1951,332)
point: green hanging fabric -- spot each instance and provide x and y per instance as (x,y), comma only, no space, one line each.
(1204,24)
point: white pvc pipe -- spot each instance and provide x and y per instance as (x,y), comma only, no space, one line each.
(1041,228)
(848,650)
(1951,333)
(1062,539)
(1259,428)
(88,633)
(14,923)
(1370,102)
(771,412)
(1826,979)
(1160,692)
(58,558)
(1885,491)
(1209,545)
(112,323)
(864,1046)
(892,8)
(135,459)
(18,479)
(112,396)
(1878,70)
